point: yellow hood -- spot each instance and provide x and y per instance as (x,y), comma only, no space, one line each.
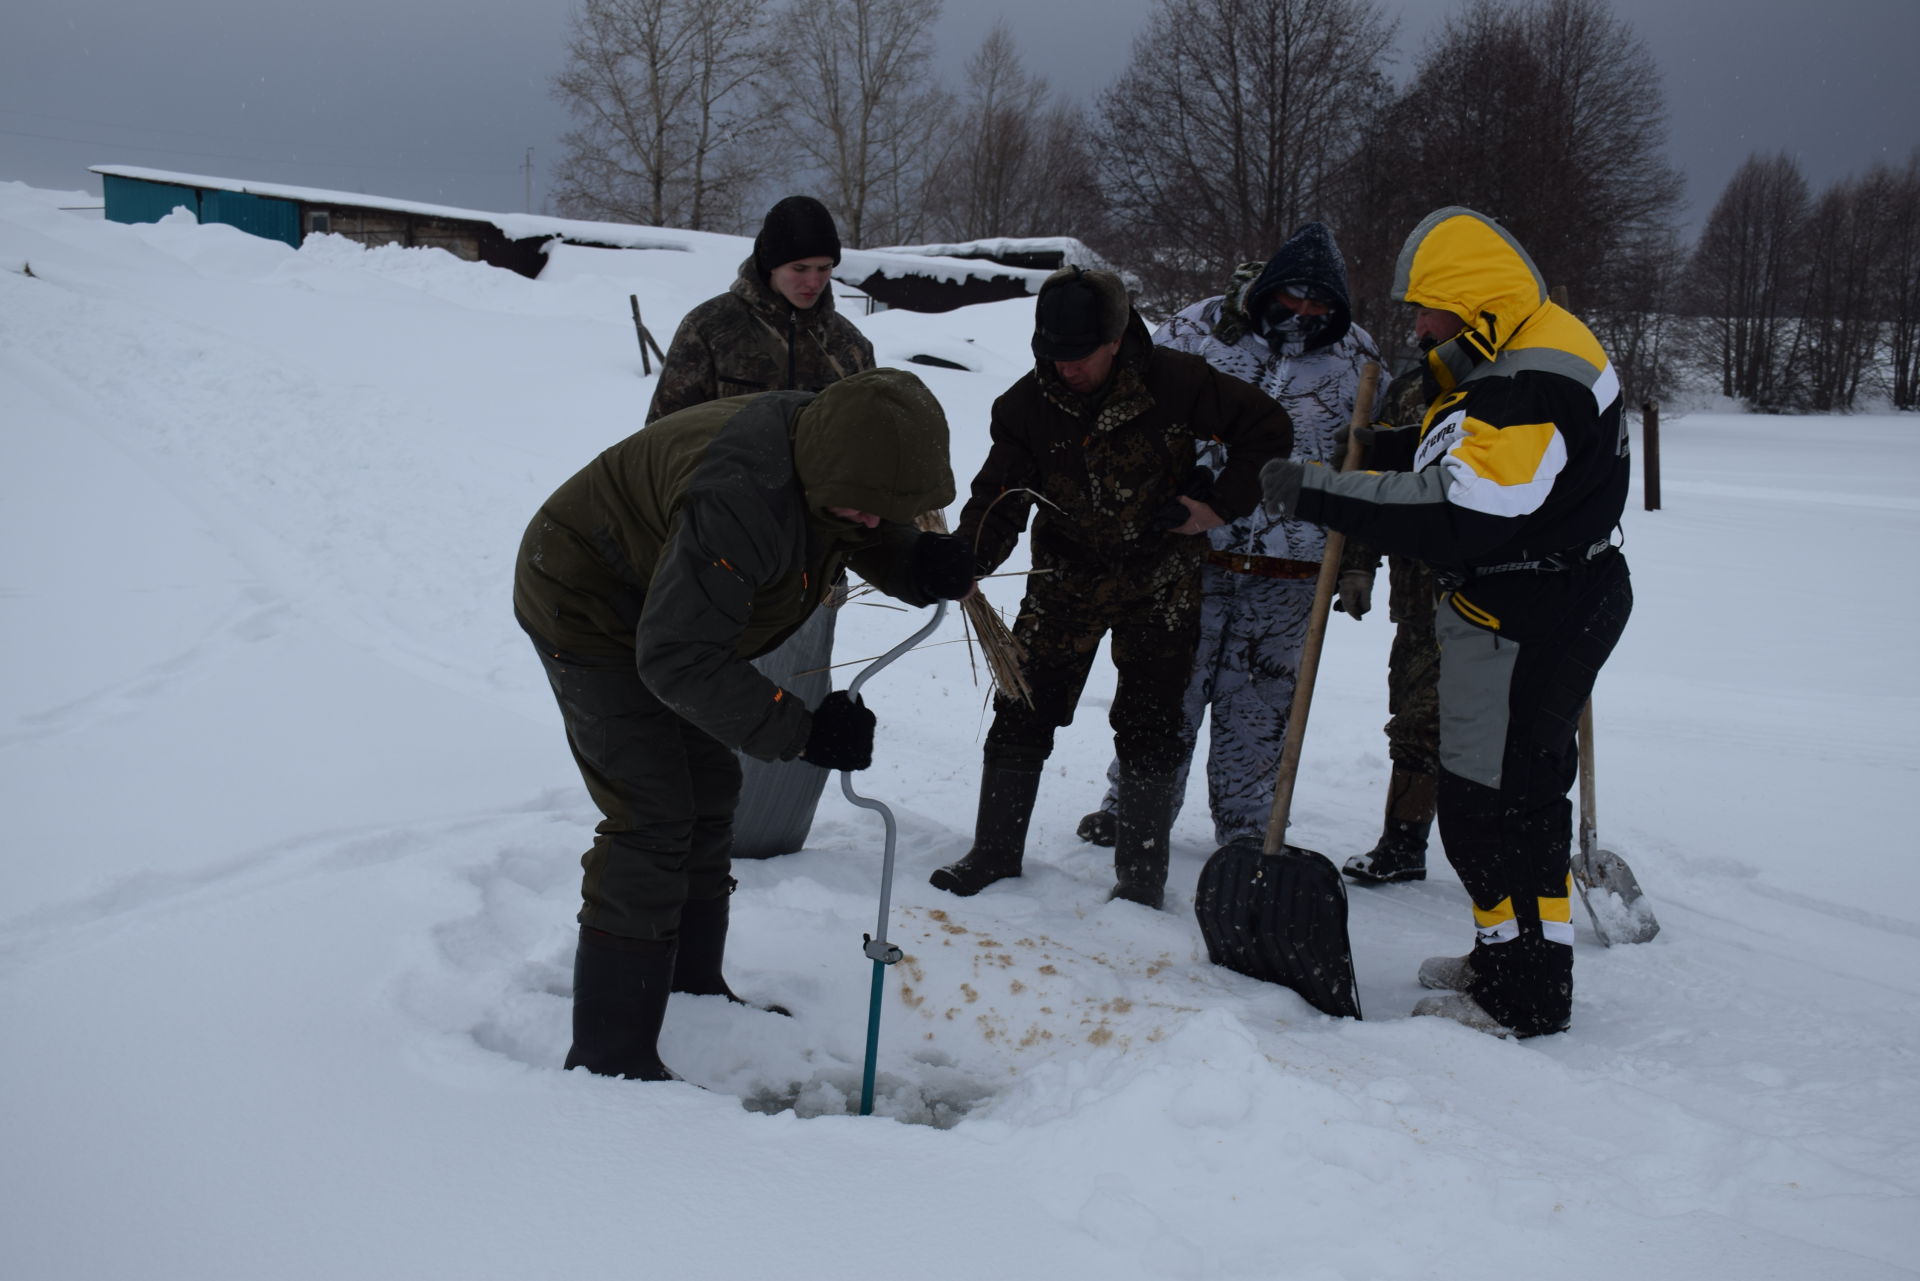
(1459,261)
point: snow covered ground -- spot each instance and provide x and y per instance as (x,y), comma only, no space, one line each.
(289,867)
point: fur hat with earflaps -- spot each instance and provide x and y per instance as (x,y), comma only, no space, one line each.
(1079,310)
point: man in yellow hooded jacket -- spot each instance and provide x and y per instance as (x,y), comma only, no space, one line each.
(1510,488)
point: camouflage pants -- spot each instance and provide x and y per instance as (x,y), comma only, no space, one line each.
(1245,668)
(1413,669)
(1153,612)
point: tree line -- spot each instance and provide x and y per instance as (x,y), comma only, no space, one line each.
(1230,124)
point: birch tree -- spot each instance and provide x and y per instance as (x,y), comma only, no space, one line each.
(1228,128)
(857,105)
(670,130)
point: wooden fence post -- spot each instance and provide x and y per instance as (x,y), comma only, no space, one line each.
(1650,447)
(646,339)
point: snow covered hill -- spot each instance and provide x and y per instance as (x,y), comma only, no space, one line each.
(290,847)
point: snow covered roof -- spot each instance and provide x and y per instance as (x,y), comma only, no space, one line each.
(856,265)
(515,226)
(1073,253)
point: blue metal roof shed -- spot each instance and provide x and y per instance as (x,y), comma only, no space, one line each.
(278,211)
(148,200)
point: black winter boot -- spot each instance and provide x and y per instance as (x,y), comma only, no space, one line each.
(1097,828)
(1142,826)
(619,1001)
(1401,854)
(999,832)
(703,948)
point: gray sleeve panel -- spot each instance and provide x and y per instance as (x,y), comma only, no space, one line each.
(1386,488)
(1548,360)
(1476,677)
(1402,513)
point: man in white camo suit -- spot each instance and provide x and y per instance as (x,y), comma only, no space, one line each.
(1284,326)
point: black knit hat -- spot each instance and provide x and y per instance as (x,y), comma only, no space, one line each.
(798,227)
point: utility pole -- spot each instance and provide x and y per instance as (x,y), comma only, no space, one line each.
(527,168)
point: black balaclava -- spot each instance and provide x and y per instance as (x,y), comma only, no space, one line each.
(1308,265)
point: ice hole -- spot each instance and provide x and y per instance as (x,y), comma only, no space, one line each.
(941,1099)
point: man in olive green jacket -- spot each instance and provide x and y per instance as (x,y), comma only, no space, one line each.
(647,582)
(775,330)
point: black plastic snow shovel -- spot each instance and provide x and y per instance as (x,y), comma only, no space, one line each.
(875,945)
(1275,911)
(1608,888)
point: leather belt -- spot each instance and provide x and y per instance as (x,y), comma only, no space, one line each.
(1262,566)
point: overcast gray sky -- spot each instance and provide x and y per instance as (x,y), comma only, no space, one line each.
(441,99)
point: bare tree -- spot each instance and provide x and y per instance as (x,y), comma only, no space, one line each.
(1544,114)
(1899,304)
(1015,163)
(1746,277)
(858,104)
(669,131)
(1838,336)
(1639,326)
(986,183)
(1070,196)
(1227,127)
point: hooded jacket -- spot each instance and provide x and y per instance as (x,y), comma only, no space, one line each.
(1309,257)
(1522,453)
(1314,380)
(704,540)
(1109,462)
(751,339)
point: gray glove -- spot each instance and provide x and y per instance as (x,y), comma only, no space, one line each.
(1341,435)
(1280,486)
(1355,588)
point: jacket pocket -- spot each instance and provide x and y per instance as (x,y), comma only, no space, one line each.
(1472,613)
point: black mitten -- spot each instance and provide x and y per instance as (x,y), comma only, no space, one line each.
(842,733)
(943,567)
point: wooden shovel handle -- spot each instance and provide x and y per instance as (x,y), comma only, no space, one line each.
(1316,629)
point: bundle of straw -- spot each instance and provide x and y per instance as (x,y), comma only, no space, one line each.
(983,625)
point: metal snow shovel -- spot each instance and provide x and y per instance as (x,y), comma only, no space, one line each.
(1608,888)
(1275,911)
(878,950)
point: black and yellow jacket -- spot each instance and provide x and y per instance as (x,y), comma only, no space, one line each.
(1522,452)
(704,540)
